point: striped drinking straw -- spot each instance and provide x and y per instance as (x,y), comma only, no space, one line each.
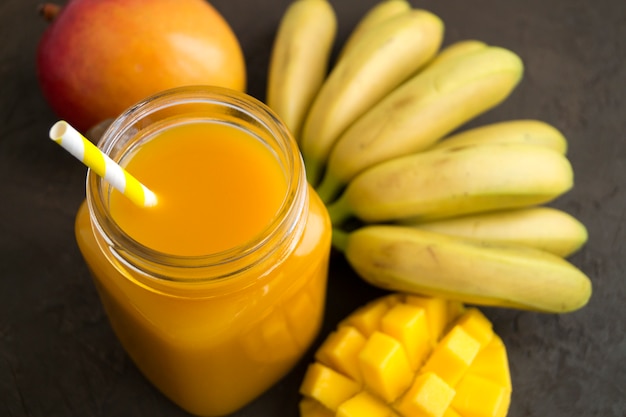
(89,154)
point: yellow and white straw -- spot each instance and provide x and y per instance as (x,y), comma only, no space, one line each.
(72,141)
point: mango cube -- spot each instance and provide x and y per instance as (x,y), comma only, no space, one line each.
(437,310)
(385,366)
(452,356)
(479,397)
(408,325)
(492,363)
(476,325)
(429,396)
(327,386)
(340,351)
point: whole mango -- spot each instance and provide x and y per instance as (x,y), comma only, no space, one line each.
(99,57)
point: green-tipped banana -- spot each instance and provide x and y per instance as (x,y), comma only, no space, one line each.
(453,182)
(401,258)
(299,60)
(383,59)
(544,228)
(421,111)
(532,132)
(379,13)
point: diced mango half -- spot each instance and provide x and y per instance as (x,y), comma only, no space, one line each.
(409,356)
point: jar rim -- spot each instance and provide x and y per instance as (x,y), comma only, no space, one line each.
(282,231)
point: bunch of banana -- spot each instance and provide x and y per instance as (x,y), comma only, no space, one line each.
(417,205)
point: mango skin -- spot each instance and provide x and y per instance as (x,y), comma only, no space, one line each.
(99,57)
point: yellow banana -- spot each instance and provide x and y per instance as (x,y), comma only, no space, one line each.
(299,59)
(421,111)
(379,13)
(457,49)
(405,259)
(453,182)
(544,228)
(384,58)
(532,132)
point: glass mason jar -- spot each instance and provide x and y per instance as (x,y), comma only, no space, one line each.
(211,332)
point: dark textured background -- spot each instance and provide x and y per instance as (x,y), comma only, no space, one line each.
(58,356)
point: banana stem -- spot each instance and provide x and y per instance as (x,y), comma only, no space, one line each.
(339,211)
(340,239)
(328,188)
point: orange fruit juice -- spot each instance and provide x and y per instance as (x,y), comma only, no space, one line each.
(229,188)
(211,345)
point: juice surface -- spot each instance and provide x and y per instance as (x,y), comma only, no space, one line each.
(216,185)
